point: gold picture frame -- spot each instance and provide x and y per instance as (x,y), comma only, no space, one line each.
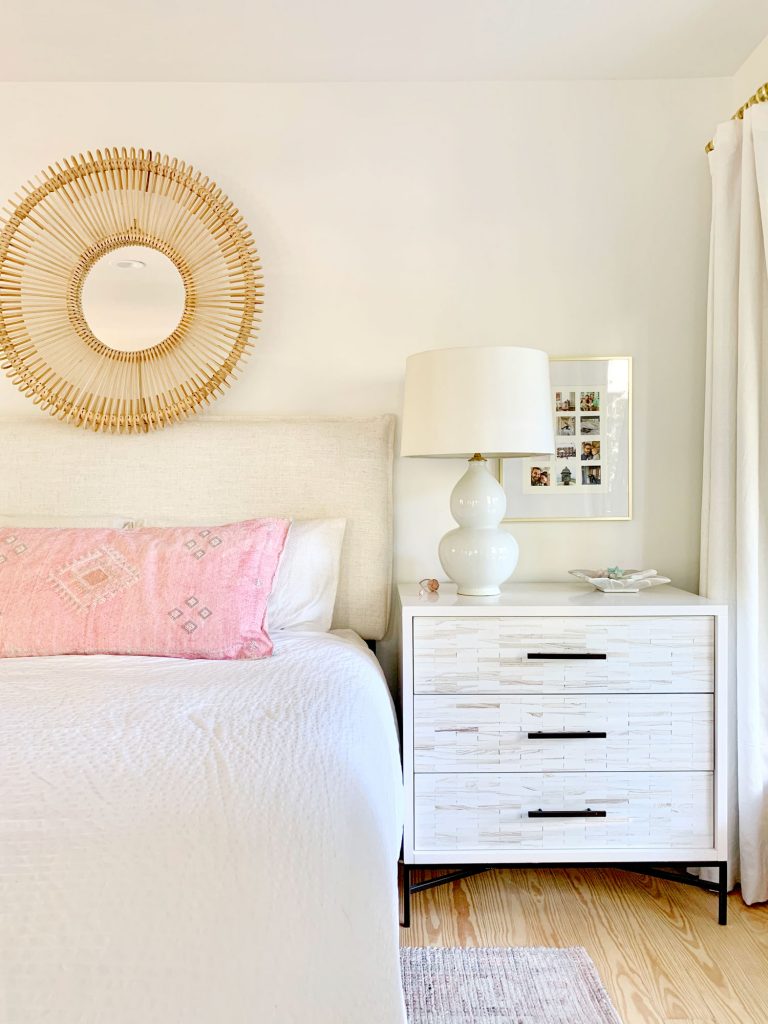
(84,208)
(627,360)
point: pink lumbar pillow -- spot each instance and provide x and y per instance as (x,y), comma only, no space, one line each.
(180,592)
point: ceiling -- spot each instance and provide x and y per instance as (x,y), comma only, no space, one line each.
(375,40)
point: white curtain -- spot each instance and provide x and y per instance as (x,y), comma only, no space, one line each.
(734,544)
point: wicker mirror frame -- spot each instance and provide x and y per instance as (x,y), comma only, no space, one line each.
(74,213)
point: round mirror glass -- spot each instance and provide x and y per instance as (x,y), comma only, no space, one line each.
(133,298)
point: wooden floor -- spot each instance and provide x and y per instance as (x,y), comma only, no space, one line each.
(657,945)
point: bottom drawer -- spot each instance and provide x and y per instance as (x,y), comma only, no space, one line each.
(627,809)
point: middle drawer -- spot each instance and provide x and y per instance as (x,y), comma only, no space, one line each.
(563,733)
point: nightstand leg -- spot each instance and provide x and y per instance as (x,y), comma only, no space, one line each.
(406,920)
(722,893)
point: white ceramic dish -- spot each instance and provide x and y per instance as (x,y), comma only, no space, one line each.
(630,582)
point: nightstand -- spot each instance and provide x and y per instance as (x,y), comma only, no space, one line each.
(556,725)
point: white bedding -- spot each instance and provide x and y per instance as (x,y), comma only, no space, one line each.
(200,842)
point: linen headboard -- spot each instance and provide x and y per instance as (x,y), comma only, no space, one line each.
(226,469)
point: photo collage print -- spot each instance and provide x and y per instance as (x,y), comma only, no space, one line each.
(577,461)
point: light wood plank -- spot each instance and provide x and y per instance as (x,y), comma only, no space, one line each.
(657,945)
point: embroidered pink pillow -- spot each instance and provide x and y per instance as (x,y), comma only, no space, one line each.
(181,592)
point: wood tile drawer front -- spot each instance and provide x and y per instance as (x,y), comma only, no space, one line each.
(492,734)
(491,812)
(489,654)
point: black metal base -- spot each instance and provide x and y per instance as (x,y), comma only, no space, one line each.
(663,871)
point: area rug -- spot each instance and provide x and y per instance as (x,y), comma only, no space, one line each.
(503,986)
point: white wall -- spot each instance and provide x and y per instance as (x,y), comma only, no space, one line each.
(751,75)
(393,218)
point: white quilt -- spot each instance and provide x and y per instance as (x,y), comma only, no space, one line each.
(200,842)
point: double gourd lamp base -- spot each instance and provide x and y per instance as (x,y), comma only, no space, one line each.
(478,403)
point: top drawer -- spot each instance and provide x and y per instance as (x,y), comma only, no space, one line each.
(549,654)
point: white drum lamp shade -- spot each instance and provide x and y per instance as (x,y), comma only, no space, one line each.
(492,401)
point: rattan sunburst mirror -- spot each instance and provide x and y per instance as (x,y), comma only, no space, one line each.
(130,290)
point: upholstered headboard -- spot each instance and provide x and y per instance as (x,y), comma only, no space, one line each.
(227,469)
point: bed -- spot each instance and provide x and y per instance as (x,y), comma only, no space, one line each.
(205,841)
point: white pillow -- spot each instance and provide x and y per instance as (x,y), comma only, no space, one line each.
(113,522)
(304,591)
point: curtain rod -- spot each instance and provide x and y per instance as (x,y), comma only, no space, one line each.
(761,96)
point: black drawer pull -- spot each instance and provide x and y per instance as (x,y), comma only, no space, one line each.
(567,735)
(589,813)
(566,656)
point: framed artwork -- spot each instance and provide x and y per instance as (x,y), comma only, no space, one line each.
(589,475)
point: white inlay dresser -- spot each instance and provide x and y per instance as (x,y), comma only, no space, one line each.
(558,725)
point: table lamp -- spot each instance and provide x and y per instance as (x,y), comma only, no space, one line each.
(475,403)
